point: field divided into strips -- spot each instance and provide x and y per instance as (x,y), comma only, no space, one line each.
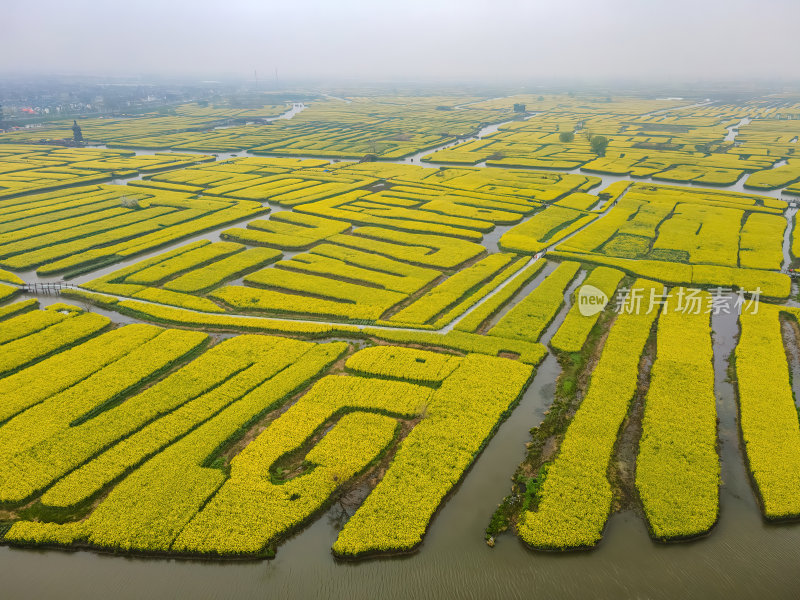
(381,319)
(528,319)
(88,227)
(661,139)
(284,181)
(654,139)
(575,496)
(405,253)
(776,178)
(28,168)
(453,295)
(387,127)
(678,235)
(145,445)
(773,137)
(187,119)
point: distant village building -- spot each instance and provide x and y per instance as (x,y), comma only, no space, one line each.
(519,107)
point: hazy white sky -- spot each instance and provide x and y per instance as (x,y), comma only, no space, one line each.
(455,40)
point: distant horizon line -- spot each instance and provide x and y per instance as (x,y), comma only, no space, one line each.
(523,83)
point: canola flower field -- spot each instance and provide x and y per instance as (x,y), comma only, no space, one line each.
(244,340)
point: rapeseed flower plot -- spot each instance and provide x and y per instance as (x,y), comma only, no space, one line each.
(768,417)
(677,469)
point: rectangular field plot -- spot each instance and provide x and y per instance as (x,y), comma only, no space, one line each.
(769,422)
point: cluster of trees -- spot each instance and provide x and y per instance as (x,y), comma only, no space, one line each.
(598,143)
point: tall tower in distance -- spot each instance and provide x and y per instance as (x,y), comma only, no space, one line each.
(77,134)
